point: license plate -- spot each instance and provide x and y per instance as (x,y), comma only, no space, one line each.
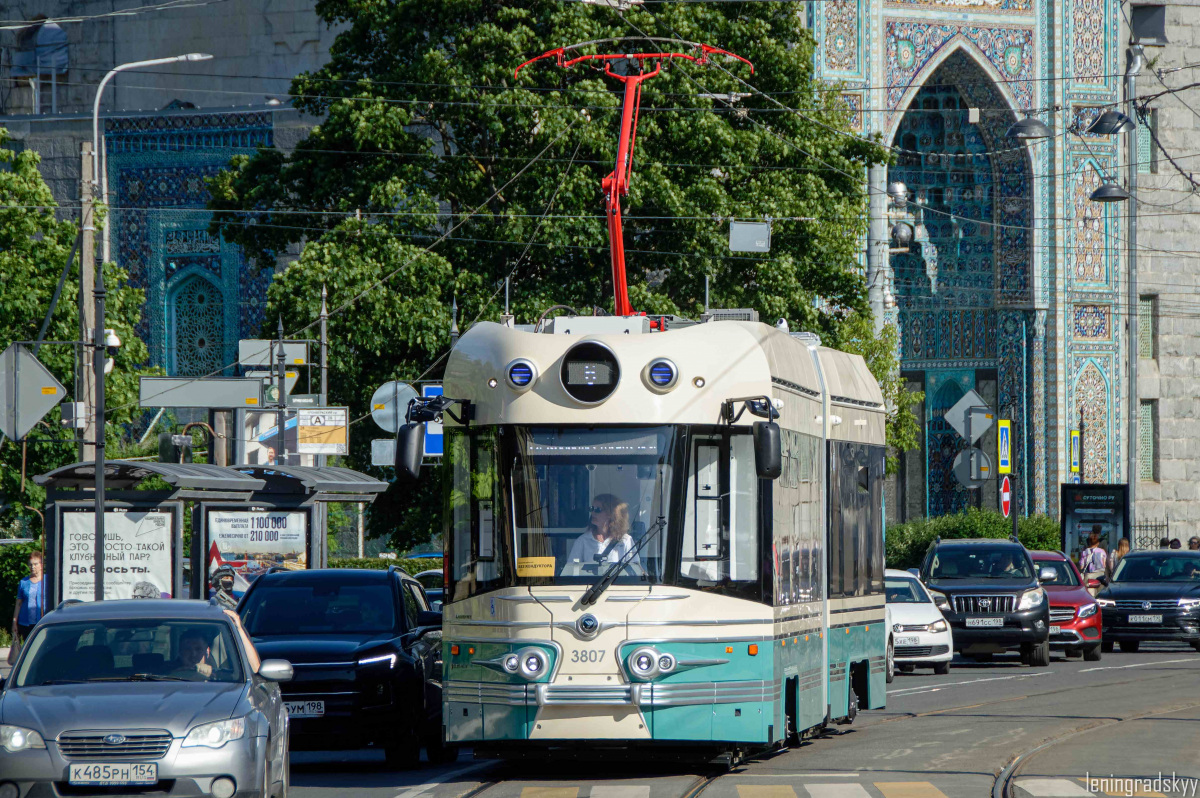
(1055,630)
(1145,619)
(114,773)
(305,709)
(985,621)
(907,641)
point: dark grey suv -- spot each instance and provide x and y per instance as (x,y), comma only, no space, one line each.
(137,696)
(990,594)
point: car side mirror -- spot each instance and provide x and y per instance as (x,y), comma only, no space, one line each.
(1047,574)
(1099,581)
(276,670)
(427,618)
(410,448)
(768,450)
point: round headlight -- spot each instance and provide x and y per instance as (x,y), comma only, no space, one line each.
(512,663)
(531,663)
(520,374)
(666,663)
(644,662)
(661,375)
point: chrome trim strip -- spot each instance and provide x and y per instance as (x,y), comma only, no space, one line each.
(732,622)
(699,663)
(534,599)
(648,597)
(505,624)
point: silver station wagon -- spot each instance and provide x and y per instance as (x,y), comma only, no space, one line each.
(143,697)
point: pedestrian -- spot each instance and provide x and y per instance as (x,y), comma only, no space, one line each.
(1194,544)
(1175,544)
(31,600)
(1118,555)
(1165,543)
(1093,561)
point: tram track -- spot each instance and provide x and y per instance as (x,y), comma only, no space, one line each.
(693,790)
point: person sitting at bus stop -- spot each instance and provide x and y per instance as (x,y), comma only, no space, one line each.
(191,657)
(606,538)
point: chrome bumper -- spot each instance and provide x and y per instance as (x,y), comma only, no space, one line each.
(638,695)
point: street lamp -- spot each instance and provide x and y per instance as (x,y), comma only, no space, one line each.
(102,337)
(1110,123)
(1029,129)
(1109,191)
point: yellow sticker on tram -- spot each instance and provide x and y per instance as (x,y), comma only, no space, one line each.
(535,566)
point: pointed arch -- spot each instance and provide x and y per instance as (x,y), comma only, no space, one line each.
(1092,392)
(196,325)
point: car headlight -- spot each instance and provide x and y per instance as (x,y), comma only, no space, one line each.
(938,626)
(1032,598)
(17,738)
(215,735)
(1103,602)
(1189,603)
(390,659)
(1088,610)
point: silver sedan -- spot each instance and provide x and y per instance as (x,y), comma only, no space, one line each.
(148,695)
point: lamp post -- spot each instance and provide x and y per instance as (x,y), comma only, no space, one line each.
(100,340)
(1112,123)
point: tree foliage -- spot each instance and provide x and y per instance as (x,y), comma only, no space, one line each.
(34,244)
(423,123)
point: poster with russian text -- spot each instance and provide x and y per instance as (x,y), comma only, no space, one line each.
(251,541)
(138,556)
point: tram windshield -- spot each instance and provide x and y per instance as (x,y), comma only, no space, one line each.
(584,498)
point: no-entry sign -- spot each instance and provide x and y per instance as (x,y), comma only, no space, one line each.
(1005,497)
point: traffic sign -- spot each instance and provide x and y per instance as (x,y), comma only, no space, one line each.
(389,404)
(1005,496)
(1004,446)
(434,440)
(383,452)
(255,352)
(271,383)
(980,416)
(323,430)
(213,392)
(28,390)
(972,467)
(1075,445)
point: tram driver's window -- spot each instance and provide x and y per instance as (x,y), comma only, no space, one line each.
(720,531)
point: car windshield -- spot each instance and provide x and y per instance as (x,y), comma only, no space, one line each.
(1159,568)
(130,650)
(905,591)
(980,562)
(1064,574)
(319,608)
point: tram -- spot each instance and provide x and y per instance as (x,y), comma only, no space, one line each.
(657,532)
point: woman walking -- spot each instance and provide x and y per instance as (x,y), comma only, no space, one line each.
(31,600)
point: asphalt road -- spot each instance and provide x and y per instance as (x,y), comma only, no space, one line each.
(1037,732)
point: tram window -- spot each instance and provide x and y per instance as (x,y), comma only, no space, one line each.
(743,514)
(720,530)
(706,518)
(471,541)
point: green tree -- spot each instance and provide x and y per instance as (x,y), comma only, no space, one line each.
(881,351)
(424,122)
(34,244)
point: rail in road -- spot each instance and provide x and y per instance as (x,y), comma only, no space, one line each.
(996,729)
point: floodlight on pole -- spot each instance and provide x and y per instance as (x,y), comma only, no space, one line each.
(1110,123)
(1029,129)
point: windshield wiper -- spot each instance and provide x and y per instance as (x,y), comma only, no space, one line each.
(154,677)
(593,593)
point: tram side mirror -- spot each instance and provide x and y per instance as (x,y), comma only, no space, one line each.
(768,450)
(410,448)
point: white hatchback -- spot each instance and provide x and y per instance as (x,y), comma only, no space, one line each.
(917,632)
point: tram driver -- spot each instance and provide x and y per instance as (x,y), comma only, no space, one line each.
(606,539)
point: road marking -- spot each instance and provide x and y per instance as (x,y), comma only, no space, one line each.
(765,791)
(908,789)
(1049,788)
(633,791)
(1136,665)
(933,688)
(549,792)
(420,789)
(837,791)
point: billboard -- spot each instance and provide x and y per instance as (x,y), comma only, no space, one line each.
(1103,509)
(139,557)
(251,540)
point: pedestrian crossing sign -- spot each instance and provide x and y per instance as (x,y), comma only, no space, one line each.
(1004,446)
(1074,451)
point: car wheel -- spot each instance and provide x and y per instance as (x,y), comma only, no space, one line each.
(941,668)
(1196,644)
(437,751)
(1092,653)
(891,662)
(1130,646)
(1039,655)
(1107,646)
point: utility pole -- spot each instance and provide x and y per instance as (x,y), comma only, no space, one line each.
(877,241)
(85,385)
(1135,61)
(99,355)
(281,455)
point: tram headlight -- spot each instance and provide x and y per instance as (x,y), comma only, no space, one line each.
(512,663)
(520,375)
(531,663)
(666,664)
(644,663)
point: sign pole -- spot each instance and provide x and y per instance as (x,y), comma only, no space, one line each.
(281,456)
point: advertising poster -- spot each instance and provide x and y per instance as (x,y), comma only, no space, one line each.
(138,558)
(261,436)
(1102,509)
(243,544)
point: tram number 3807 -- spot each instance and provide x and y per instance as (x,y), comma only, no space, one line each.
(587,655)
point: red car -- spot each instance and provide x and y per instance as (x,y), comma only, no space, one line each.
(1074,614)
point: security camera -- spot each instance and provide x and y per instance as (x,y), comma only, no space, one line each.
(111,339)
(108,365)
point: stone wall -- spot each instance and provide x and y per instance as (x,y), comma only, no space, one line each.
(1169,269)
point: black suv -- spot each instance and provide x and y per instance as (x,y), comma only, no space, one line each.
(366,651)
(989,592)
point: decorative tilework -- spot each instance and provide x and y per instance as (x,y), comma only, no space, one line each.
(1093,322)
(854,102)
(1089,227)
(1088,47)
(841,35)
(910,45)
(990,6)
(1091,397)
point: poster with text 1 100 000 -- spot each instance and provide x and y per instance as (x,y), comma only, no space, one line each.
(251,541)
(137,555)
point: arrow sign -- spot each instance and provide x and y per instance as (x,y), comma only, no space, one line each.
(972,468)
(1005,496)
(981,416)
(28,390)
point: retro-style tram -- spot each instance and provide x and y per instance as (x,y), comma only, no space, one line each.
(666,536)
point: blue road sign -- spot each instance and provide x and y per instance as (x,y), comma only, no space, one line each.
(1004,447)
(434,440)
